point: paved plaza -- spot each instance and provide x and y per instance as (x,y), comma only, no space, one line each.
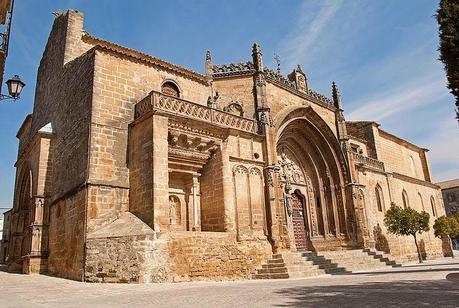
(433,284)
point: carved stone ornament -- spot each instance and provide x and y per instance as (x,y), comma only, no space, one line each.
(235,107)
(269,174)
(265,118)
(289,172)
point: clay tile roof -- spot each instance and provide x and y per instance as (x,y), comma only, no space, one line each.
(448,184)
(144,57)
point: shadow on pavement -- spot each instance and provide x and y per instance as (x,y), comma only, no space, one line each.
(430,293)
(385,272)
(430,264)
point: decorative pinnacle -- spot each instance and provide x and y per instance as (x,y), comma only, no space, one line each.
(277,59)
(256,49)
(336,95)
(257,57)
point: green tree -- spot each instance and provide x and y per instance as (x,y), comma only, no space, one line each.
(448,20)
(456,216)
(446,226)
(407,222)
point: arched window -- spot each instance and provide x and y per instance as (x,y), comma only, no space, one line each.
(432,203)
(421,202)
(170,88)
(379,198)
(406,204)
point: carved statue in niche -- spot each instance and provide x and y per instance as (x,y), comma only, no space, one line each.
(288,204)
(174,210)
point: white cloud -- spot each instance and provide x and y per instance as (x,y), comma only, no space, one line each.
(309,27)
(444,150)
(415,94)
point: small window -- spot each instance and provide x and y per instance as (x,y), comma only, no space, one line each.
(406,204)
(170,88)
(432,203)
(379,198)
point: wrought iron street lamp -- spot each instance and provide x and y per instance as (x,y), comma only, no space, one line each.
(15,86)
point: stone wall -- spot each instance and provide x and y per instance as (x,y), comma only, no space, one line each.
(419,197)
(278,99)
(173,257)
(364,130)
(141,170)
(64,65)
(400,158)
(238,89)
(66,236)
(105,203)
(215,256)
(451,200)
(212,195)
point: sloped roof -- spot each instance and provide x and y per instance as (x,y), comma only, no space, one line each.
(449,184)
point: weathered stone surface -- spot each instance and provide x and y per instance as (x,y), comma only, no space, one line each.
(132,169)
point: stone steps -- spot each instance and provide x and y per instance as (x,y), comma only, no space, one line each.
(324,264)
(305,264)
(382,257)
(358,260)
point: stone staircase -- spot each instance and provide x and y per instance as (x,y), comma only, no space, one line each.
(306,264)
(357,260)
(382,257)
(274,268)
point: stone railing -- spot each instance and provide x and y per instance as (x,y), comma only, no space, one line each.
(368,162)
(177,106)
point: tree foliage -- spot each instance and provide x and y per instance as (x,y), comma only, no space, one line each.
(406,221)
(448,20)
(446,226)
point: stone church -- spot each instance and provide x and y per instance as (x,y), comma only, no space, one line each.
(133,169)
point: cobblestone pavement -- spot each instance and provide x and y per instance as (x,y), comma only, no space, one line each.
(433,284)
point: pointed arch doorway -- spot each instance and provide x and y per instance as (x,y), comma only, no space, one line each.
(299,220)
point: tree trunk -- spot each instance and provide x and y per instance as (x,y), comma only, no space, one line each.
(417,248)
(451,246)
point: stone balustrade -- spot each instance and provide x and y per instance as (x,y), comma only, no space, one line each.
(177,106)
(368,161)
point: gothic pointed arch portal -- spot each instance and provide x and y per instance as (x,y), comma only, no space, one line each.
(312,165)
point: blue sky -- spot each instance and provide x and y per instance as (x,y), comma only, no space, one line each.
(382,54)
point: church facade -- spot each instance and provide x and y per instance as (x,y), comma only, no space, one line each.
(133,169)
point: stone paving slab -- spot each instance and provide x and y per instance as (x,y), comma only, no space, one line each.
(424,285)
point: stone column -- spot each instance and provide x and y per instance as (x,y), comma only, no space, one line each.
(195,191)
(335,208)
(323,207)
(272,192)
(160,173)
(37,226)
(228,191)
